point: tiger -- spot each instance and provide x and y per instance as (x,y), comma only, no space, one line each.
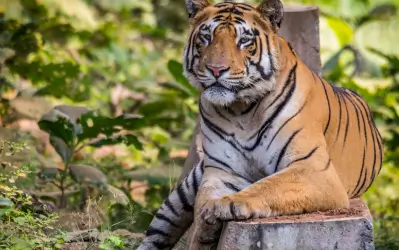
(278,139)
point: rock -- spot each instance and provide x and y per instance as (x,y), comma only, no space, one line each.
(129,239)
(80,246)
(90,235)
(92,239)
(338,229)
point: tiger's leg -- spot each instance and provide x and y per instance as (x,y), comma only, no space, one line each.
(215,184)
(175,215)
(307,184)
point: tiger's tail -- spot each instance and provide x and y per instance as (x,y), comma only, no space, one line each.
(175,215)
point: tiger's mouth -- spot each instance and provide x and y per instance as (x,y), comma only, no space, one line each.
(219,94)
(217,85)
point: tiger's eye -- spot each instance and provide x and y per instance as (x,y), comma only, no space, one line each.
(244,40)
(207,37)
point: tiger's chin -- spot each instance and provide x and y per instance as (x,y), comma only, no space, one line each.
(219,96)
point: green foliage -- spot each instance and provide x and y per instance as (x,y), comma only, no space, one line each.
(73,128)
(112,242)
(21,224)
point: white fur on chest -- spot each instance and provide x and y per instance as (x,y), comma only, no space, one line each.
(249,152)
(239,156)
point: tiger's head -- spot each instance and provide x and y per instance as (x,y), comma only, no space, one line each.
(232,53)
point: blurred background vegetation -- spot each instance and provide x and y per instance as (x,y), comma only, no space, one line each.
(111,70)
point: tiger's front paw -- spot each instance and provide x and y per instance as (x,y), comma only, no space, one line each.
(232,207)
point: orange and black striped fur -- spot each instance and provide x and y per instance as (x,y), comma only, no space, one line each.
(277,139)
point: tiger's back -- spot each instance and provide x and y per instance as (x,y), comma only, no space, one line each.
(354,143)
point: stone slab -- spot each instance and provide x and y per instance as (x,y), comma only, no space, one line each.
(338,229)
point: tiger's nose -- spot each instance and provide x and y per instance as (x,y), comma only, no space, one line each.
(217,71)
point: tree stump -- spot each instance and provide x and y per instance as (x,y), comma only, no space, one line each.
(338,229)
(300,27)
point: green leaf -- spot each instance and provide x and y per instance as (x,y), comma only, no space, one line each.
(62,122)
(176,69)
(126,139)
(342,30)
(88,174)
(118,195)
(95,125)
(63,150)
(20,220)
(60,128)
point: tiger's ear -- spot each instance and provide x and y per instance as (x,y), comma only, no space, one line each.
(272,10)
(193,6)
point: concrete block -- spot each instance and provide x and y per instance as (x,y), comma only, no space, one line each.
(348,229)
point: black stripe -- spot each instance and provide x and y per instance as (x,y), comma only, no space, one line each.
(216,160)
(186,183)
(349,98)
(230,10)
(249,109)
(380,147)
(258,65)
(340,115)
(155,231)
(286,85)
(221,115)
(189,48)
(245,7)
(285,123)
(162,217)
(373,137)
(221,5)
(291,49)
(363,183)
(329,106)
(347,122)
(171,208)
(355,192)
(183,198)
(277,111)
(231,186)
(160,245)
(232,210)
(233,173)
(303,158)
(220,132)
(195,181)
(239,19)
(328,165)
(284,149)
(364,122)
(269,52)
(206,136)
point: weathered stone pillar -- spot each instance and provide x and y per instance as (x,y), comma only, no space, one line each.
(333,230)
(300,27)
